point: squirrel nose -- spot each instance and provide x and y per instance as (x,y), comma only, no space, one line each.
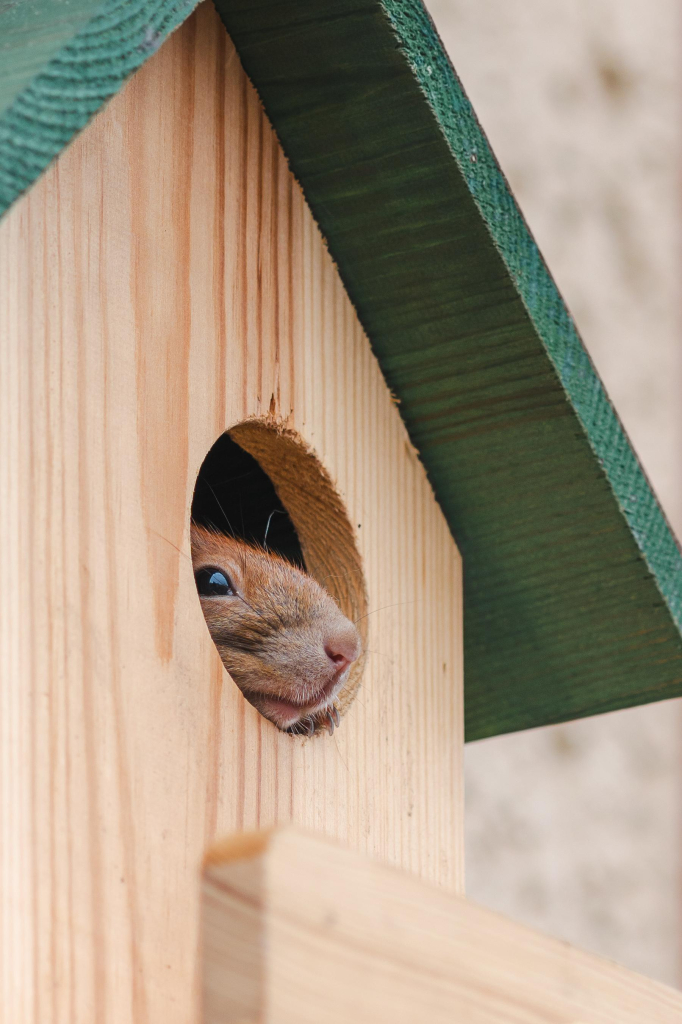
(342,651)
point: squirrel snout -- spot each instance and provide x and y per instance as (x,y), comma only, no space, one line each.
(342,648)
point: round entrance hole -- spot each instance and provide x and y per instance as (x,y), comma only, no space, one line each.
(262,484)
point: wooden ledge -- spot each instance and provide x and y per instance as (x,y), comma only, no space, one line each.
(297,929)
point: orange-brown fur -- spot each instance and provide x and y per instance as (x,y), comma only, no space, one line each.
(282,638)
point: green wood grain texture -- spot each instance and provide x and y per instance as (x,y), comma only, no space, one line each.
(60,60)
(573,580)
(31,33)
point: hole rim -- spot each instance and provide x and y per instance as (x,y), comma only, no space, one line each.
(323,527)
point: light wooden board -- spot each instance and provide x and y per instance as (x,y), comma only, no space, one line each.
(163,281)
(299,930)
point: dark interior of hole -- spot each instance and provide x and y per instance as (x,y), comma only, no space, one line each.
(235,496)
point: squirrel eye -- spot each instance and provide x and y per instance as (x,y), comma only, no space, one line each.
(212,582)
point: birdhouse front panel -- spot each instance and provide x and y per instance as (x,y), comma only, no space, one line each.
(164,283)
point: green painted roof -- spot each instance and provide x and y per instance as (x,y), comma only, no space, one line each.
(573,580)
(60,60)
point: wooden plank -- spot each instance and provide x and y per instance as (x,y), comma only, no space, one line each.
(297,929)
(163,281)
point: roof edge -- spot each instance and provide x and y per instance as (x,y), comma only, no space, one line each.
(90,68)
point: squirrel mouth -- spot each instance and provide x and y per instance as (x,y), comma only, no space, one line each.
(285,713)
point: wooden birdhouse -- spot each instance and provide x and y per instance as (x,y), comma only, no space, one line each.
(270,240)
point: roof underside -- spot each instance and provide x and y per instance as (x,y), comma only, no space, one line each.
(573,581)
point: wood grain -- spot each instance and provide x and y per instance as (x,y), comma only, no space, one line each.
(162,282)
(299,930)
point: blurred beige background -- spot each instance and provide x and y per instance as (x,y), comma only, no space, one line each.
(577,829)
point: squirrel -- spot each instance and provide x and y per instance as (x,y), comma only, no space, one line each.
(280,635)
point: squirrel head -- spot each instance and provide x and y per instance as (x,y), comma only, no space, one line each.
(280,635)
